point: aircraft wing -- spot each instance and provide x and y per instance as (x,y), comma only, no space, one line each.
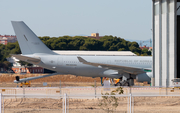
(130,70)
(33,60)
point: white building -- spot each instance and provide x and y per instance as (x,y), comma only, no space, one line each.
(165,41)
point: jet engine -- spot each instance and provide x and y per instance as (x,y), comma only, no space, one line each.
(144,77)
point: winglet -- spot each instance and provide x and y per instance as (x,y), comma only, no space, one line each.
(81,60)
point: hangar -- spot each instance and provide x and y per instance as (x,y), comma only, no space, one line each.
(166,47)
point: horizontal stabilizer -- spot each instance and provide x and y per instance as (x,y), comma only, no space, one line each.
(32,60)
(33,78)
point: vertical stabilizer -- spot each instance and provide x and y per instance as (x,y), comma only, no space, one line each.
(28,41)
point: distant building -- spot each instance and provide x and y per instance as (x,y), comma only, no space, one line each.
(149,48)
(95,36)
(4,39)
(17,68)
(23,69)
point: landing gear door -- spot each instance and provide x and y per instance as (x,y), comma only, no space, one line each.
(60,61)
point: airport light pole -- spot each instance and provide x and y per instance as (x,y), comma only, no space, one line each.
(23,91)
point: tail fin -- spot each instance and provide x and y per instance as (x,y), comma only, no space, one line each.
(28,41)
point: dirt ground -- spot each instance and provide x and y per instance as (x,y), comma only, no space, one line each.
(48,105)
(6,80)
(55,78)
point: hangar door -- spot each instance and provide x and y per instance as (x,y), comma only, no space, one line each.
(178,39)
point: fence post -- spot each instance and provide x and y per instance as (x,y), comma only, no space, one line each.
(0,103)
(60,88)
(128,96)
(65,103)
(130,102)
(95,87)
(166,86)
(23,91)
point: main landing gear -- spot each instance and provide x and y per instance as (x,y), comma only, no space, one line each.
(124,81)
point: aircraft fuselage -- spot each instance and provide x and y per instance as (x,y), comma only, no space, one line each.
(71,65)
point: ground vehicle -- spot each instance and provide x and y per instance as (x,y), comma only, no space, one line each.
(176,82)
(26,83)
(119,82)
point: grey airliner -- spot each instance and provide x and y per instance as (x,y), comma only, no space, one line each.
(36,52)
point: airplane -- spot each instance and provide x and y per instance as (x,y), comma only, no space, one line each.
(34,51)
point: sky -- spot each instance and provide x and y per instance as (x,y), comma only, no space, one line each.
(128,19)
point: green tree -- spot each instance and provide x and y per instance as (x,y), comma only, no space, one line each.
(7,65)
(146,52)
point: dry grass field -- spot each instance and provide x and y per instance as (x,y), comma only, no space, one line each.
(49,105)
(6,80)
(56,78)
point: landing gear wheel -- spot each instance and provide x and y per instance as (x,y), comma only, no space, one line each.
(118,84)
(126,84)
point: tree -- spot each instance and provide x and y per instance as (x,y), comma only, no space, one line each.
(122,49)
(146,52)
(113,48)
(106,43)
(109,103)
(7,65)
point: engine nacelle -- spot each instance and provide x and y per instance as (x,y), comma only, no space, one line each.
(144,77)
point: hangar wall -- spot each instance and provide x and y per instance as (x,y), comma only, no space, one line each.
(164,41)
(178,38)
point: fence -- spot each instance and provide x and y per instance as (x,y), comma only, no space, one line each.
(89,99)
(89,104)
(89,90)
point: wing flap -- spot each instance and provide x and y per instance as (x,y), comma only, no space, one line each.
(130,70)
(33,60)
